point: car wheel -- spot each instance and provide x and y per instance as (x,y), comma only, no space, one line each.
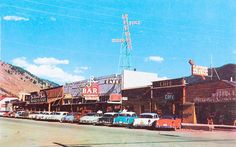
(130,126)
(153,127)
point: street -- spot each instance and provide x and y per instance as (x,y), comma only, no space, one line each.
(21,132)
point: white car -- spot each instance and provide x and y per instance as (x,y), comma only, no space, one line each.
(90,118)
(145,120)
(47,116)
(39,116)
(57,116)
(32,115)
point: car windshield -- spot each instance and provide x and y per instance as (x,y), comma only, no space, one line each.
(90,114)
(125,114)
(146,116)
(108,115)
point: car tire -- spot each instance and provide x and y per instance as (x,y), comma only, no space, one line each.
(130,126)
(153,127)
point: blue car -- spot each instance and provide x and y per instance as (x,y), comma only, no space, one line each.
(71,117)
(125,119)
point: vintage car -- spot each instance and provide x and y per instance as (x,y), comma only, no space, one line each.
(168,122)
(90,118)
(57,116)
(107,118)
(71,117)
(39,115)
(47,116)
(125,119)
(145,120)
(21,114)
(33,114)
(4,113)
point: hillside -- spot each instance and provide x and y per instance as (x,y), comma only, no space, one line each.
(14,79)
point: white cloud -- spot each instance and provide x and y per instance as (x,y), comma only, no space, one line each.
(155,59)
(81,69)
(15,18)
(48,71)
(50,61)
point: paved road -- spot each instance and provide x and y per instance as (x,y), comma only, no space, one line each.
(19,132)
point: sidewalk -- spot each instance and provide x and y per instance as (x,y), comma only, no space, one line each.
(206,126)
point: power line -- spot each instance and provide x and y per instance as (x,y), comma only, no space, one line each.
(76,17)
(132,12)
(73,9)
(62,15)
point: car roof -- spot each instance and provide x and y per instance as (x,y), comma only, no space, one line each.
(127,113)
(111,113)
(148,114)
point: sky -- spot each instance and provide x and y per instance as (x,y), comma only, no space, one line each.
(71,40)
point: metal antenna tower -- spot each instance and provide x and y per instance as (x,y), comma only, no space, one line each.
(126,44)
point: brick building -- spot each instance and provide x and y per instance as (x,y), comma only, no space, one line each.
(217,98)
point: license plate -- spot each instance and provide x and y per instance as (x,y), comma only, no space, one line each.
(164,124)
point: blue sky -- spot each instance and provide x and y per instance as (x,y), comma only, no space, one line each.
(69,40)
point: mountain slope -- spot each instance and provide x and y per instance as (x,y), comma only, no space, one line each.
(14,79)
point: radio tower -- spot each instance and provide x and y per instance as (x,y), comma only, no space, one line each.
(126,44)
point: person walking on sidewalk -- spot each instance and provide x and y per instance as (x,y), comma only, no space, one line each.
(210,122)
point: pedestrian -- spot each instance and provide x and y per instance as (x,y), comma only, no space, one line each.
(210,122)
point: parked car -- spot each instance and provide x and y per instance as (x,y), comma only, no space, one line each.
(71,117)
(4,113)
(57,116)
(32,115)
(47,116)
(125,119)
(39,116)
(21,114)
(90,118)
(145,120)
(107,118)
(168,122)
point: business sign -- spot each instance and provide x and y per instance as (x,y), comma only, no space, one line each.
(38,97)
(199,70)
(221,95)
(91,90)
(115,97)
(112,81)
(169,96)
(168,83)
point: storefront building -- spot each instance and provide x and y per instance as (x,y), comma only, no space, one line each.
(137,99)
(215,98)
(162,97)
(96,93)
(45,100)
(169,96)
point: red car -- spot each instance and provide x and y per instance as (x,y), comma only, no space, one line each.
(168,122)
